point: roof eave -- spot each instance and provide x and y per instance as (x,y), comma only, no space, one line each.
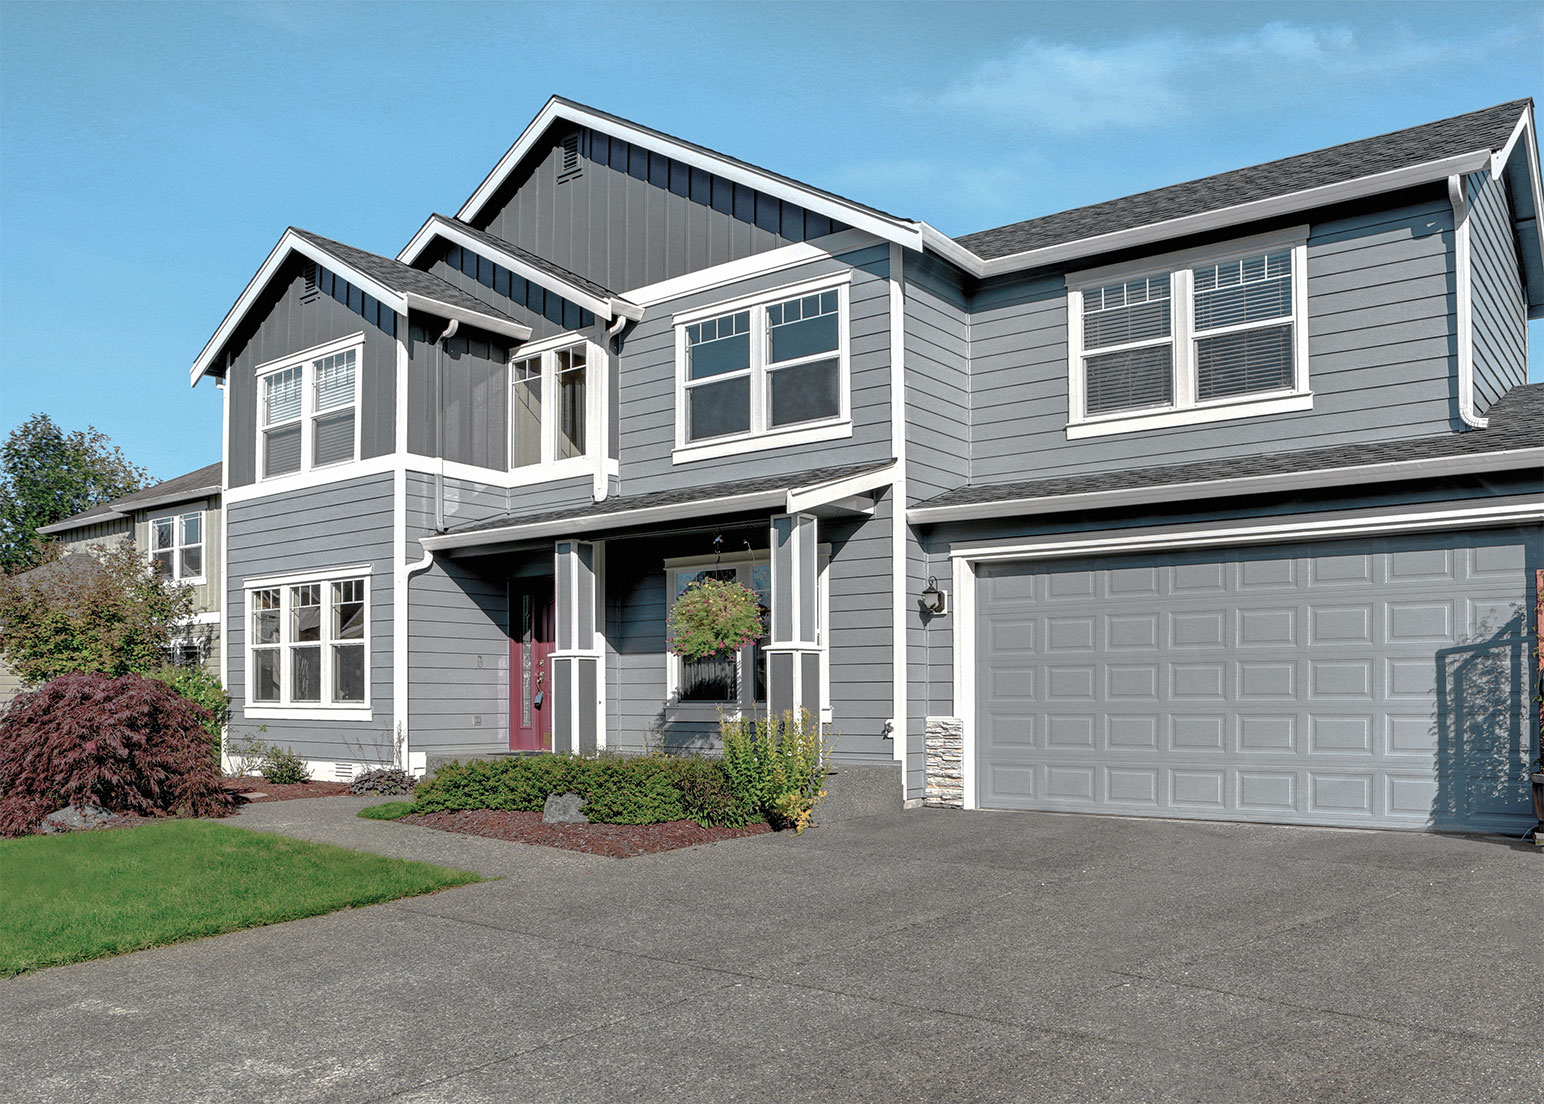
(69,524)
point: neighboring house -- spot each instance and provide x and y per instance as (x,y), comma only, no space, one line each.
(1220,501)
(176,524)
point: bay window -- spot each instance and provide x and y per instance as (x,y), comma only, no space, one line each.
(308,409)
(306,644)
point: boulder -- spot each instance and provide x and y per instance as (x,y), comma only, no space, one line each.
(564,809)
(74,818)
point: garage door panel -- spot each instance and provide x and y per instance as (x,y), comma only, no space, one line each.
(1333,684)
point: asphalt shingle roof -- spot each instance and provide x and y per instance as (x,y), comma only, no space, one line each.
(1516,422)
(1486,129)
(583,283)
(402,278)
(684,497)
(205,480)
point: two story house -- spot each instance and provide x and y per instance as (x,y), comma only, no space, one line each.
(1218,501)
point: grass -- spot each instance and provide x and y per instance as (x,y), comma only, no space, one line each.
(85,895)
(392,810)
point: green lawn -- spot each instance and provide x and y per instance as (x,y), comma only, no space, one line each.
(88,894)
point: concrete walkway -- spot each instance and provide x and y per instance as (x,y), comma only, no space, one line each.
(920,956)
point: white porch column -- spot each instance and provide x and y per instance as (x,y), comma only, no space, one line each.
(793,649)
(578,658)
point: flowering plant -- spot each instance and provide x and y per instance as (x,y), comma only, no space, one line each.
(714,619)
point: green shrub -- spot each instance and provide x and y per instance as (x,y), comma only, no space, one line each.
(391,810)
(201,688)
(283,767)
(776,765)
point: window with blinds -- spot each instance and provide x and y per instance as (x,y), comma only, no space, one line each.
(309,411)
(1243,326)
(1128,330)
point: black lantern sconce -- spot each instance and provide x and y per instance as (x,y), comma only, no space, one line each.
(935,601)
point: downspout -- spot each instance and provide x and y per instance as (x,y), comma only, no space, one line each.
(1463,303)
(439,425)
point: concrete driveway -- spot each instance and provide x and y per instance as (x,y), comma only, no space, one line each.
(917,956)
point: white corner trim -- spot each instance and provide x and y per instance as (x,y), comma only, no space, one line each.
(1463,301)
(964,640)
(1198,490)
(717,448)
(758,264)
(1253,406)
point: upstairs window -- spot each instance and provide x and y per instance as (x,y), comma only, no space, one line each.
(308,415)
(756,374)
(1190,338)
(177,546)
(551,419)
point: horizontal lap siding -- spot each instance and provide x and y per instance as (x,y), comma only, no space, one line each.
(937,342)
(860,634)
(1500,311)
(339,525)
(1380,310)
(648,385)
(290,321)
(458,660)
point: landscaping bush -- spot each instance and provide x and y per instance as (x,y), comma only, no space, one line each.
(283,767)
(390,781)
(201,688)
(776,765)
(129,744)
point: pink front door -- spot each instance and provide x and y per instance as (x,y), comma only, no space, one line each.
(530,675)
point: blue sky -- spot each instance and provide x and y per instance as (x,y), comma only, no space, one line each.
(151,154)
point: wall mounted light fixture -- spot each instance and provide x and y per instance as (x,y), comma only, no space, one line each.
(935,601)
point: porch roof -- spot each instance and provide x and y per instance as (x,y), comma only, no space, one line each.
(791,493)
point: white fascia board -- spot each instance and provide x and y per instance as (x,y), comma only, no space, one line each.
(81,523)
(1291,203)
(757,264)
(902,231)
(802,499)
(1526,136)
(506,326)
(189,496)
(590,523)
(1216,488)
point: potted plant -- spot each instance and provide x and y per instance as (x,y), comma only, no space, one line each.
(714,619)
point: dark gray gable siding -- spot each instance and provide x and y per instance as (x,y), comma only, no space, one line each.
(297,315)
(340,524)
(630,217)
(937,342)
(1381,356)
(1500,310)
(648,385)
(473,382)
(546,312)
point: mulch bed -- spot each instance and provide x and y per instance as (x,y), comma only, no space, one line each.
(255,789)
(618,841)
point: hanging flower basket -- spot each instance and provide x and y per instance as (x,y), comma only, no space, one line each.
(714,619)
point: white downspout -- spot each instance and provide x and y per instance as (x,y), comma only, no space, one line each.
(1463,303)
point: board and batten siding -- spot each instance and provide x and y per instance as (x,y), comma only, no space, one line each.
(470,389)
(937,342)
(338,525)
(647,384)
(291,319)
(630,217)
(1500,311)
(1380,331)
(546,312)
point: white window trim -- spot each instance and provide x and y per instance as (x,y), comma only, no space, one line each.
(1186,410)
(305,360)
(284,709)
(760,436)
(597,375)
(177,545)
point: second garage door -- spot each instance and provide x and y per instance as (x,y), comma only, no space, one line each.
(1380,684)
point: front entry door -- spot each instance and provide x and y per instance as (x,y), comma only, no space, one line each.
(530,673)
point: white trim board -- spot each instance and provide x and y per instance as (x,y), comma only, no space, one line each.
(1216,488)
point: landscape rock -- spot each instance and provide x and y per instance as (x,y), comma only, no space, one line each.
(564,809)
(74,818)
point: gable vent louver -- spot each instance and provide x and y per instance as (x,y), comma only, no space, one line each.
(311,289)
(569,165)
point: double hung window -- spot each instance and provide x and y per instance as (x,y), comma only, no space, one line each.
(552,416)
(308,415)
(306,643)
(1189,338)
(177,546)
(763,369)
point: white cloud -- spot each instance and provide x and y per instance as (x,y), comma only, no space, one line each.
(1063,87)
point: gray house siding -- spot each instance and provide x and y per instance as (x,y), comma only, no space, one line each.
(473,381)
(1380,333)
(647,383)
(937,342)
(458,660)
(296,317)
(338,525)
(1500,310)
(629,217)
(860,634)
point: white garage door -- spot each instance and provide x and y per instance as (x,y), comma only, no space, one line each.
(1382,683)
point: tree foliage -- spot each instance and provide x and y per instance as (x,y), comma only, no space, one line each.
(104,611)
(47,475)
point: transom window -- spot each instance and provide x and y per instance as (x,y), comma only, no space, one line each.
(308,416)
(177,546)
(306,643)
(550,409)
(1195,336)
(763,368)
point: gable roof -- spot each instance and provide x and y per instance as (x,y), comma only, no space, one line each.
(579,290)
(1513,440)
(1432,151)
(400,286)
(202,483)
(907,232)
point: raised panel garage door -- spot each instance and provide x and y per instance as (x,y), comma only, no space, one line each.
(1376,683)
